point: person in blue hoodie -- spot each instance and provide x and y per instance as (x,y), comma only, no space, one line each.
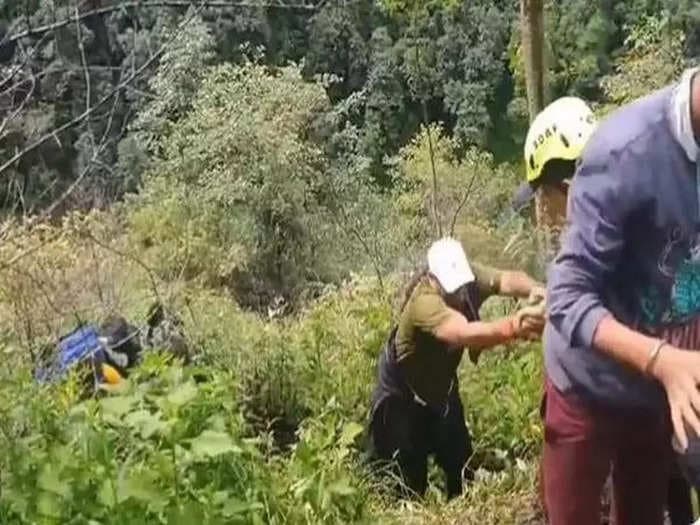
(623,329)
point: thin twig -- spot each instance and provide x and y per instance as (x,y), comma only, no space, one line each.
(160,3)
(110,120)
(85,114)
(27,57)
(346,225)
(462,203)
(436,217)
(83,60)
(149,271)
(50,71)
(70,189)
(426,124)
(20,108)
(29,251)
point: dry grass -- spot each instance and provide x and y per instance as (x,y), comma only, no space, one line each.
(508,497)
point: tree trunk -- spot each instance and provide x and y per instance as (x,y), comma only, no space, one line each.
(550,207)
(532,31)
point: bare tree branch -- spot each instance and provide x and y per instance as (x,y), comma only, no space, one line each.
(426,124)
(68,191)
(83,61)
(20,108)
(88,112)
(18,257)
(347,226)
(25,101)
(42,74)
(161,3)
(110,120)
(464,200)
(27,58)
(436,216)
(133,258)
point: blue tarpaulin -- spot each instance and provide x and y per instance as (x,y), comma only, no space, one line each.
(78,346)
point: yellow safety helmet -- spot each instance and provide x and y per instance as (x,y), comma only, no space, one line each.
(559,132)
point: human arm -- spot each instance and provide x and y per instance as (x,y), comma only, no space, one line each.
(677,370)
(492,281)
(456,331)
(520,285)
(428,312)
(601,200)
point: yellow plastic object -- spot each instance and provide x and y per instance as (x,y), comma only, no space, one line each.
(111,375)
(559,131)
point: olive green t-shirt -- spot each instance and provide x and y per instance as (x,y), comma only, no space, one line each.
(428,364)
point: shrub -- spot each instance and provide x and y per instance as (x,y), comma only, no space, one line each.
(165,450)
(244,195)
(473,195)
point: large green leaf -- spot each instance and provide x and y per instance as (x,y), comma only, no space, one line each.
(118,405)
(236,507)
(106,495)
(211,443)
(49,480)
(146,422)
(192,512)
(49,505)
(350,433)
(342,488)
(141,486)
(182,394)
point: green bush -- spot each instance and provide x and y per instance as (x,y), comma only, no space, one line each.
(473,200)
(294,367)
(245,196)
(273,436)
(166,450)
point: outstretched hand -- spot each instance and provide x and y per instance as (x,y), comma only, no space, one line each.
(538,294)
(530,321)
(679,373)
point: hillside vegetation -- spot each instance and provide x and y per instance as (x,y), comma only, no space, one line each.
(269,171)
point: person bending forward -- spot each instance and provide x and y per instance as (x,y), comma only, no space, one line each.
(416,409)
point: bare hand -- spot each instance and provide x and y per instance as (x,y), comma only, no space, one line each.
(679,373)
(538,295)
(530,321)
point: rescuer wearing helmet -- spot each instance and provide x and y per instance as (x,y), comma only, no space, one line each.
(555,140)
(554,143)
(623,314)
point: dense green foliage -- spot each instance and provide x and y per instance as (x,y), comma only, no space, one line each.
(168,450)
(398,64)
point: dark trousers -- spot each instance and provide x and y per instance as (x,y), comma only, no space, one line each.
(679,499)
(403,433)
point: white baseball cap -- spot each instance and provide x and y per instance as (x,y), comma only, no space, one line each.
(448,263)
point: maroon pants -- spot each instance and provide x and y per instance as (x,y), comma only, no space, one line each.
(583,444)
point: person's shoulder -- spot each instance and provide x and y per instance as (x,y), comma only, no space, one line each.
(422,290)
(424,306)
(629,131)
(484,272)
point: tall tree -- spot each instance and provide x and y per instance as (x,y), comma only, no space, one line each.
(550,206)
(532,30)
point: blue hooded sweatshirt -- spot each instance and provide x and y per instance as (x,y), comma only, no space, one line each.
(631,248)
